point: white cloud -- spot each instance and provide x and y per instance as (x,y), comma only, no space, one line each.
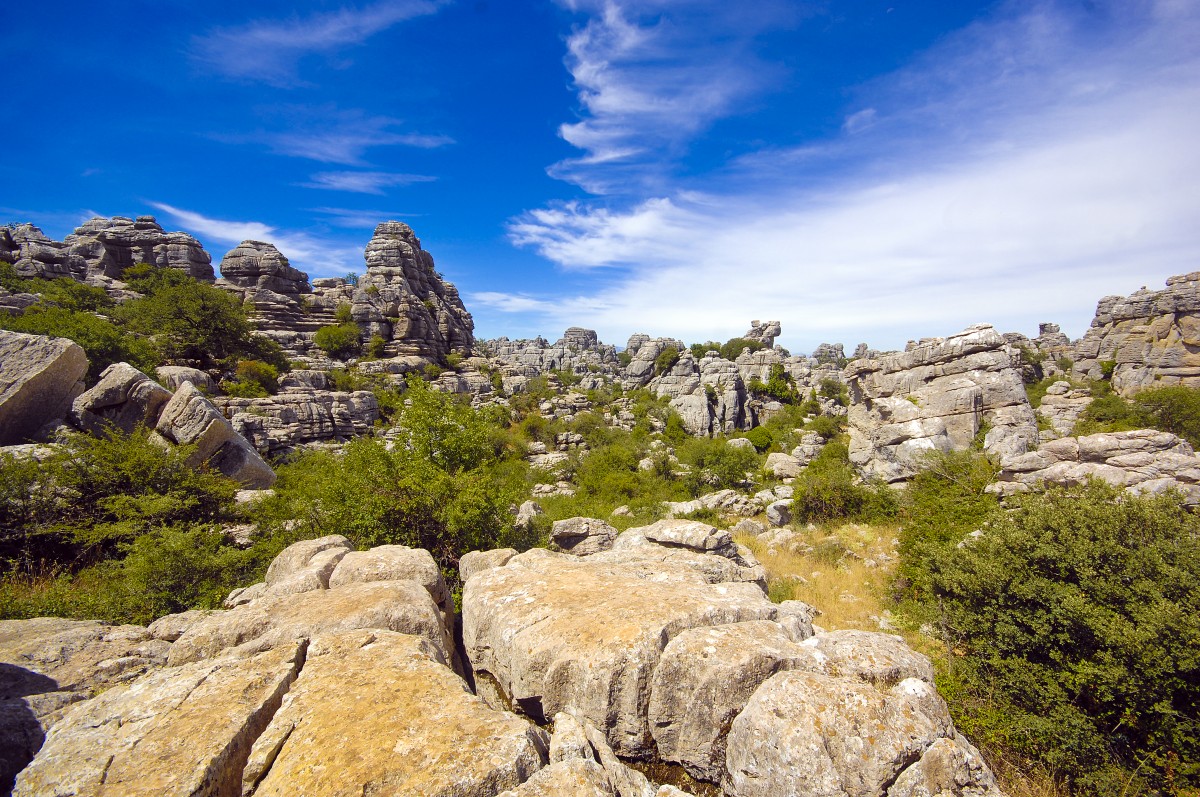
(510,302)
(363,182)
(314,255)
(269,51)
(360,218)
(651,75)
(1016,173)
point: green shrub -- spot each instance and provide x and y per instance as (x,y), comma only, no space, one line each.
(761,438)
(103,341)
(1036,391)
(828,490)
(240,389)
(1173,408)
(338,340)
(1076,615)
(1106,368)
(666,360)
(375,346)
(343,313)
(827,426)
(715,464)
(835,390)
(454,360)
(624,358)
(260,373)
(1065,364)
(735,346)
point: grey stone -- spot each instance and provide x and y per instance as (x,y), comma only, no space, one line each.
(39,378)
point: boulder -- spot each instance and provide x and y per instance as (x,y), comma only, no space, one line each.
(880,659)
(172,377)
(703,680)
(39,378)
(297,557)
(123,399)
(273,620)
(812,735)
(779,513)
(951,767)
(109,246)
(176,731)
(255,264)
(532,626)
(376,712)
(190,419)
(394,563)
(582,536)
(783,466)
(479,561)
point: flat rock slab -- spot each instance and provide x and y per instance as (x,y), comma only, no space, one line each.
(39,378)
(272,620)
(177,731)
(583,635)
(376,712)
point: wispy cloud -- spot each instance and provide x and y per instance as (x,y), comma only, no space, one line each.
(651,75)
(511,302)
(1018,172)
(360,218)
(363,182)
(317,256)
(269,50)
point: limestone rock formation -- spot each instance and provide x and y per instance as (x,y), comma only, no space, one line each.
(293,418)
(189,418)
(424,733)
(109,246)
(1061,407)
(1150,337)
(1141,461)
(764,332)
(577,352)
(34,254)
(123,399)
(177,731)
(582,535)
(260,265)
(937,395)
(39,378)
(405,301)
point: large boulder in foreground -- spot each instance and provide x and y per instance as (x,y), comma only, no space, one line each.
(376,712)
(39,378)
(190,419)
(177,731)
(583,634)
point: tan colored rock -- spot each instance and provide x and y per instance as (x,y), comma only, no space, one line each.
(783,466)
(272,620)
(297,556)
(704,679)
(880,659)
(951,767)
(39,378)
(583,634)
(376,712)
(176,731)
(170,627)
(576,778)
(811,735)
(478,561)
(190,419)
(393,563)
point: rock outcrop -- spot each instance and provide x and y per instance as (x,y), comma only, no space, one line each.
(1148,338)
(261,266)
(293,418)
(190,419)
(122,399)
(405,301)
(109,246)
(938,395)
(1141,461)
(39,378)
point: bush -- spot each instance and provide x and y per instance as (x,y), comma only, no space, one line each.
(735,346)
(666,360)
(715,464)
(103,341)
(835,390)
(1173,408)
(761,438)
(338,340)
(1077,617)
(262,374)
(375,346)
(828,490)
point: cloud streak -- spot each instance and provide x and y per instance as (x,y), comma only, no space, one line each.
(317,256)
(363,182)
(1016,173)
(269,51)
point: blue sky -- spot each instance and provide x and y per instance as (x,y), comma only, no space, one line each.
(859,170)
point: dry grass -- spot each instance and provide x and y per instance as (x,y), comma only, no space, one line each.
(844,571)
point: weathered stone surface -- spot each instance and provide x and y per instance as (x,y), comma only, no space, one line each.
(33,254)
(783,466)
(880,659)
(189,418)
(405,301)
(273,620)
(177,731)
(703,680)
(279,423)
(582,535)
(779,513)
(577,777)
(1142,460)
(680,545)
(255,264)
(297,556)
(814,735)
(393,563)
(172,378)
(951,767)
(1061,407)
(479,561)
(39,378)
(937,396)
(170,627)
(124,398)
(109,246)
(535,626)
(1150,337)
(375,712)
